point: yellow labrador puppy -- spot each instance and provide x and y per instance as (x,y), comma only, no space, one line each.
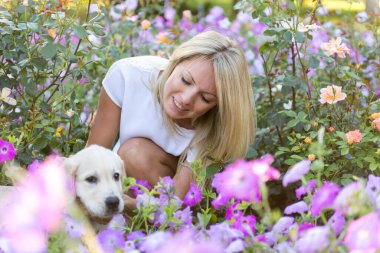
(98,174)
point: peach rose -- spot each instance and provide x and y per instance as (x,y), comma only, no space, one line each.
(145,24)
(335,47)
(376,124)
(354,137)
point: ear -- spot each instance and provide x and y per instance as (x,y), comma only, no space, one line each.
(70,165)
(123,173)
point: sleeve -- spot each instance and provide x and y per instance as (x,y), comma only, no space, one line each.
(114,83)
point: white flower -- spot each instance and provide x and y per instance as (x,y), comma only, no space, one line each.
(70,113)
(4,96)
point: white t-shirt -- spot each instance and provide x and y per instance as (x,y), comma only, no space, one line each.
(129,83)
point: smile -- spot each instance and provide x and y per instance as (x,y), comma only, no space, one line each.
(178,105)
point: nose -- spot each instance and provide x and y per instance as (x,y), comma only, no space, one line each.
(112,203)
(188,96)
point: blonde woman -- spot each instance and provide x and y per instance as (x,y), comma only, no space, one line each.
(197,105)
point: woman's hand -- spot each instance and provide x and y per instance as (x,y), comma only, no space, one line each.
(129,204)
(182,179)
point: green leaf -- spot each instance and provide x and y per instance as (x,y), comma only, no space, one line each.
(80,31)
(344,151)
(314,62)
(204,219)
(49,50)
(212,170)
(293,123)
(33,26)
(41,143)
(373,166)
(288,36)
(290,113)
(300,37)
(39,63)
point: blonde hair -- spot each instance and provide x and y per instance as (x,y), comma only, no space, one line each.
(225,132)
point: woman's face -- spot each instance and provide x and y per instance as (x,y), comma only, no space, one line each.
(190,91)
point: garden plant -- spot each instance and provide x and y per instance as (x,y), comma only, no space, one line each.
(310,182)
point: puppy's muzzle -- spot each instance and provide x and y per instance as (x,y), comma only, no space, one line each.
(112,204)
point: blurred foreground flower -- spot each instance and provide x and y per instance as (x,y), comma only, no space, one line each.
(332,94)
(34,208)
(5,92)
(7,151)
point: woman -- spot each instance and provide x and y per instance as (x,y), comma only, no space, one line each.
(196,106)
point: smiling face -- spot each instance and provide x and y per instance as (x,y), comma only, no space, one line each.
(190,91)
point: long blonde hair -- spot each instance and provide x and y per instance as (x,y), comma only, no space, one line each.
(225,132)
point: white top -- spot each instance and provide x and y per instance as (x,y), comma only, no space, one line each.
(129,84)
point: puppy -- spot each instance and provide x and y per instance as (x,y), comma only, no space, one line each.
(98,174)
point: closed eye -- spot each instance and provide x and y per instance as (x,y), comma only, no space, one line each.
(92,179)
(184,81)
(205,99)
(116,176)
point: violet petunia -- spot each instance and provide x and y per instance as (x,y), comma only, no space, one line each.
(193,196)
(111,239)
(296,172)
(363,234)
(351,199)
(302,190)
(337,222)
(323,198)
(313,240)
(245,224)
(7,151)
(298,207)
(373,188)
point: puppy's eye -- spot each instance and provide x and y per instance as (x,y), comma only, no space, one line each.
(92,179)
(116,176)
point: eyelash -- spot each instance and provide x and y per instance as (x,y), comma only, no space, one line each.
(188,83)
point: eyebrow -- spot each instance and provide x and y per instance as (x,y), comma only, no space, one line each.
(209,93)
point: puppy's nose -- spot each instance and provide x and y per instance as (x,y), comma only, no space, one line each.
(112,203)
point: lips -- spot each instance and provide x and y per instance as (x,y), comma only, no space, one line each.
(178,105)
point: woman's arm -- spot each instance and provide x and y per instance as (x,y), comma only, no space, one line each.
(182,179)
(105,126)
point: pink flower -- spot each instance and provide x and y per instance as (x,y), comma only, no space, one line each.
(376,124)
(261,167)
(354,137)
(332,94)
(7,151)
(335,47)
(193,196)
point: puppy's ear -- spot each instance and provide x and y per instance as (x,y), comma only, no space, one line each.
(123,173)
(70,165)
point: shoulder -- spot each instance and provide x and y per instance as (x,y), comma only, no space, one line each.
(147,64)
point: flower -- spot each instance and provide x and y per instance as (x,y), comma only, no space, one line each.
(313,240)
(324,197)
(298,207)
(238,181)
(52,32)
(332,94)
(373,188)
(5,92)
(162,37)
(58,131)
(145,24)
(7,151)
(336,222)
(307,140)
(330,129)
(187,14)
(376,124)
(311,157)
(361,17)
(111,239)
(193,196)
(351,198)
(69,113)
(233,212)
(335,47)
(363,234)
(302,190)
(354,137)
(375,116)
(261,167)
(296,172)
(245,224)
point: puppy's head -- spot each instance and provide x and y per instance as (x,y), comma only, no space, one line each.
(98,174)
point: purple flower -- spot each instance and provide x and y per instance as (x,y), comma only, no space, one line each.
(303,227)
(72,227)
(7,151)
(131,4)
(165,187)
(258,28)
(302,190)
(336,222)
(261,167)
(136,189)
(363,234)
(373,188)
(224,233)
(351,198)
(298,207)
(137,237)
(324,197)
(193,196)
(313,240)
(238,181)
(184,217)
(219,201)
(296,172)
(283,224)
(155,241)
(110,240)
(117,222)
(245,224)
(33,166)
(233,212)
